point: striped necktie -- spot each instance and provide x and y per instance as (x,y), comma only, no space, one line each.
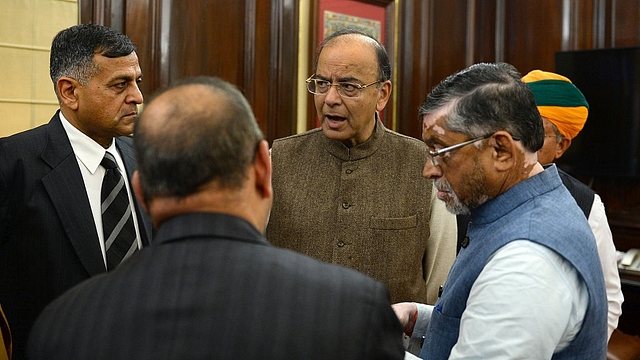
(117,220)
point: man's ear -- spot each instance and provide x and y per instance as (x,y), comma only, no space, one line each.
(384,95)
(67,92)
(504,150)
(561,147)
(262,168)
(137,189)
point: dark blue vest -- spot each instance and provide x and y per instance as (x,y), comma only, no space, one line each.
(580,192)
(539,209)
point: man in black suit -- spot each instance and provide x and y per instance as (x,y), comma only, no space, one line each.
(51,229)
(211,286)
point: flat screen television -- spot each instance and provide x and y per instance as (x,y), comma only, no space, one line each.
(609,143)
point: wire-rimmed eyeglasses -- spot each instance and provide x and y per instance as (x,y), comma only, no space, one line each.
(345,89)
(433,154)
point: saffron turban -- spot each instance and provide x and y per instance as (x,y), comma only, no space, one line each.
(559,101)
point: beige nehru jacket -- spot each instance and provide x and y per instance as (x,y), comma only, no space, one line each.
(366,207)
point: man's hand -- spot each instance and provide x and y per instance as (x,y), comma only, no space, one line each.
(407,314)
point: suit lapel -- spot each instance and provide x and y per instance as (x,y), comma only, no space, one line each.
(66,189)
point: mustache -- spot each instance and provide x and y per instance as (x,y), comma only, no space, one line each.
(442,185)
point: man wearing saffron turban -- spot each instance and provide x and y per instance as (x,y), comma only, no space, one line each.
(564,111)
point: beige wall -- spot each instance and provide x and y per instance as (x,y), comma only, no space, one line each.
(26,30)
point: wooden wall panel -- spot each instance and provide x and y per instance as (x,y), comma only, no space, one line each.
(412,79)
(207,38)
(439,37)
(250,43)
(483,31)
(532,33)
(585,24)
(256,64)
(283,69)
(433,45)
(626,23)
(447,39)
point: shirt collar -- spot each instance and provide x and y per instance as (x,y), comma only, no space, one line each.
(88,152)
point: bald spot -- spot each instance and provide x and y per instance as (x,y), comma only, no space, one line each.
(183,108)
(354,38)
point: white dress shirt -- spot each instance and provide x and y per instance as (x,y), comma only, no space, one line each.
(89,154)
(527,303)
(607,252)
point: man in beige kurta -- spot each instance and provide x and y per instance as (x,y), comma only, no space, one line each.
(352,191)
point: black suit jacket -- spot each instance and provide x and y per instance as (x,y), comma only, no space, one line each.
(48,239)
(211,287)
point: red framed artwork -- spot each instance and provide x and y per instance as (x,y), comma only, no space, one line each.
(338,14)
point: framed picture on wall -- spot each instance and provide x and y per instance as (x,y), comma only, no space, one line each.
(335,21)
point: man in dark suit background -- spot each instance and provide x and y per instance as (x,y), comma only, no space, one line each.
(50,177)
(211,286)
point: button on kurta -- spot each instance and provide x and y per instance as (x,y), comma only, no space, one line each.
(465,242)
(346,205)
(340,243)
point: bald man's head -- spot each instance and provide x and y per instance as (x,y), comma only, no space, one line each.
(195,132)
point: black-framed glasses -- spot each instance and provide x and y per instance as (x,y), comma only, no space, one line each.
(433,154)
(345,89)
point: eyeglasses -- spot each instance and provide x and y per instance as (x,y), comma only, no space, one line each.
(435,153)
(345,89)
